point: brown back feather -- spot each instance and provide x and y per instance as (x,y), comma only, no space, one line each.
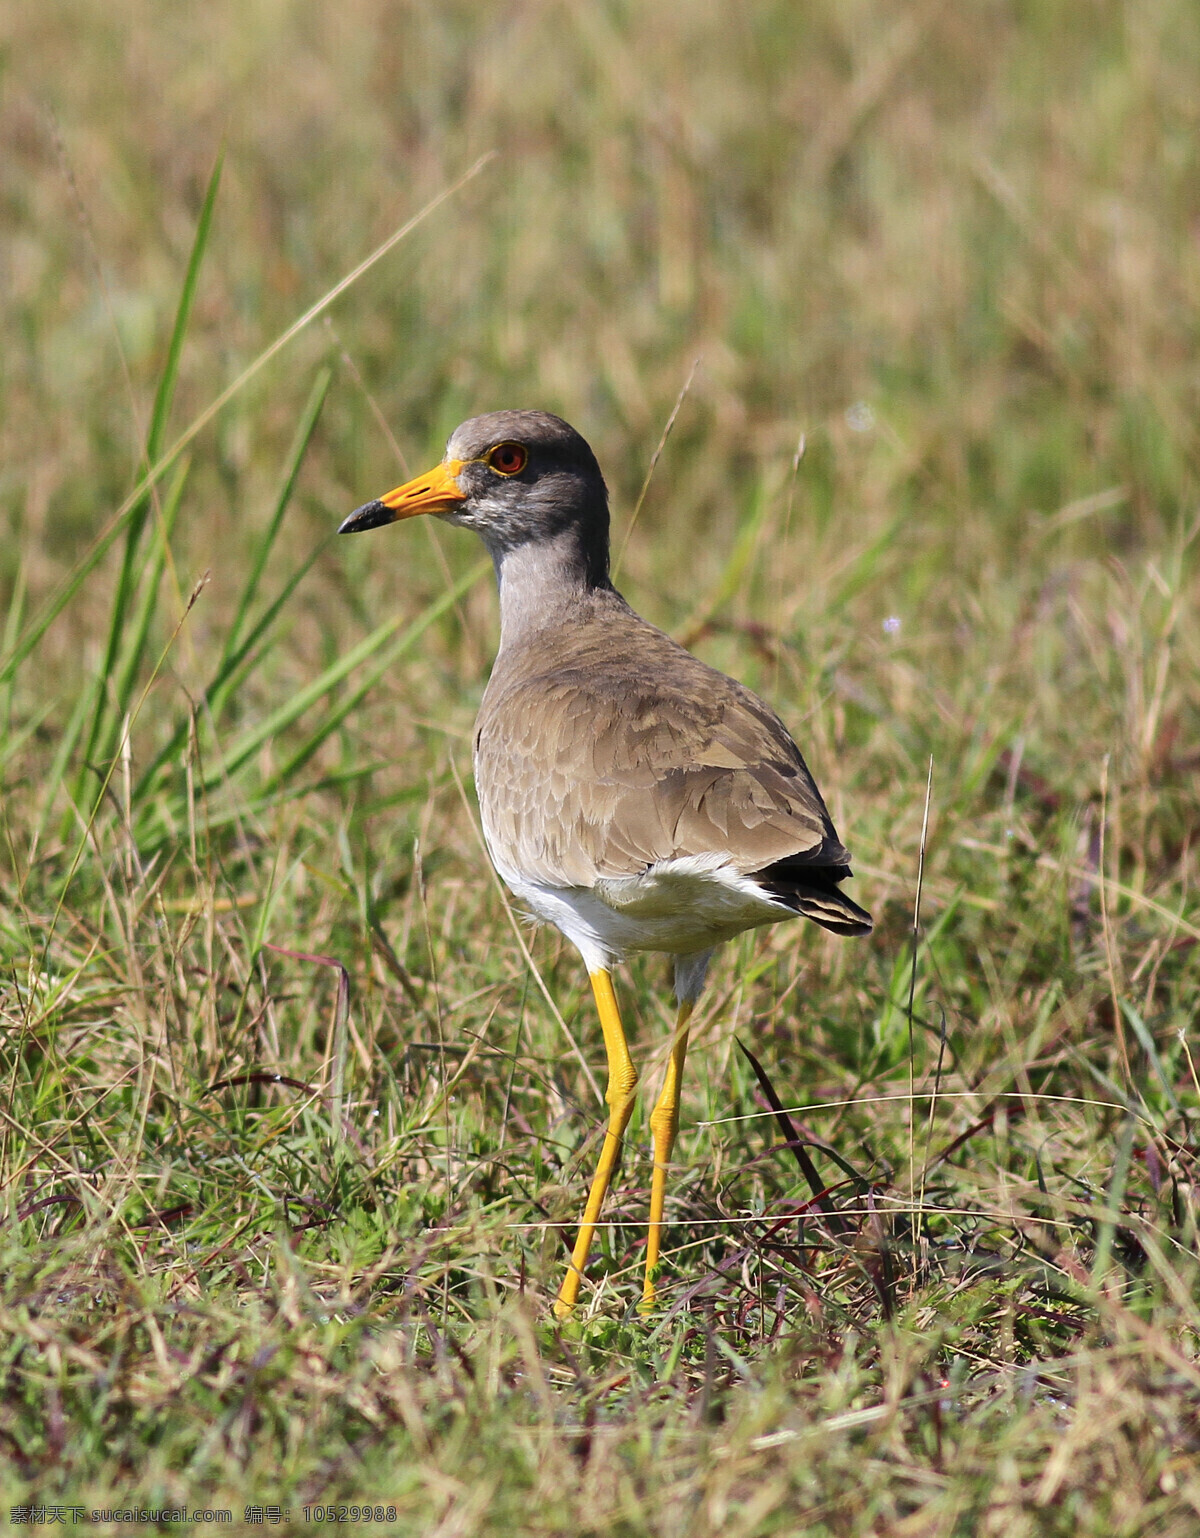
(603,747)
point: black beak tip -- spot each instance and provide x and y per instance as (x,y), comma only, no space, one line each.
(371,515)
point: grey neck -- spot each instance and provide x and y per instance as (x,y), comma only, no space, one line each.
(541,581)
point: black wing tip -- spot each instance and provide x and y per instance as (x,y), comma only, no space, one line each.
(835,912)
(814,892)
(857,928)
(371,515)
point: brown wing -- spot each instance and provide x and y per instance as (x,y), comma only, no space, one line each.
(603,748)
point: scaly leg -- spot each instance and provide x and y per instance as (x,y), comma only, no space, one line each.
(664,1123)
(622,1081)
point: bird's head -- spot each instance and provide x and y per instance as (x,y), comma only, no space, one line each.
(516,478)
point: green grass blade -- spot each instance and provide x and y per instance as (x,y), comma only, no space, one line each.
(12,629)
(183,314)
(1114,1196)
(63,755)
(105,540)
(135,650)
(231,670)
(279,720)
(72,584)
(229,675)
(109,709)
(12,742)
(1146,1042)
(162,824)
(303,436)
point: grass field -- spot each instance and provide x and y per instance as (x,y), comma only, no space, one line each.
(297,1113)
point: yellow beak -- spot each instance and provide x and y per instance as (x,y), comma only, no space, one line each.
(437,491)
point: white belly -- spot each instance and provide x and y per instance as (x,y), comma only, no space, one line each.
(679,906)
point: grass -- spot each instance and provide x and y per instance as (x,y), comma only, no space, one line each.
(297,1114)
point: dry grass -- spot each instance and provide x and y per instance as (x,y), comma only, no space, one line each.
(271,1240)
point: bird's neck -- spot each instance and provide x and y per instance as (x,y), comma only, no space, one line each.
(542,581)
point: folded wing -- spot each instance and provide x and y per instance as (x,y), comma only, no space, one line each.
(589,772)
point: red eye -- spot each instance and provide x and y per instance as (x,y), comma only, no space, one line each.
(508,458)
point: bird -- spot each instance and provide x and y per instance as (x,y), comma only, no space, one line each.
(630,795)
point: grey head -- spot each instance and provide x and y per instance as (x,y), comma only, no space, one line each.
(518,478)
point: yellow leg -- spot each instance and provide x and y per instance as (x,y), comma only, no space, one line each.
(664,1123)
(622,1081)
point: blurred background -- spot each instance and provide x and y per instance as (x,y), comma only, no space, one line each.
(956,246)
